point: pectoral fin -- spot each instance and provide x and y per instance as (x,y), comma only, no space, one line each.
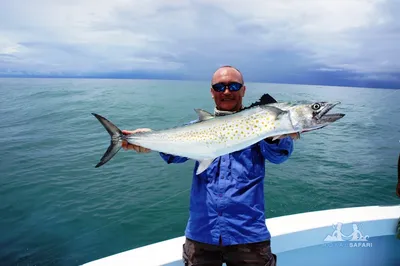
(203,165)
(203,114)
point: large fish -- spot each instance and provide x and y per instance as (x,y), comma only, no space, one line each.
(210,137)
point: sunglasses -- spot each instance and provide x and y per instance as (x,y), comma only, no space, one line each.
(232,86)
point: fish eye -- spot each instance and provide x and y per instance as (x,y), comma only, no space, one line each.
(316,106)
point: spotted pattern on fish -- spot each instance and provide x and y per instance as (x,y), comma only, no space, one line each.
(238,130)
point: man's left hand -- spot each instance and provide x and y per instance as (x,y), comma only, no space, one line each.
(294,136)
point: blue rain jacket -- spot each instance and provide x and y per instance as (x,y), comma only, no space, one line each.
(227,200)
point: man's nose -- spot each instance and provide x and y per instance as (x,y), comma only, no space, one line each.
(227,91)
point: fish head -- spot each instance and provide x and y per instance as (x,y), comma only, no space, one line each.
(308,117)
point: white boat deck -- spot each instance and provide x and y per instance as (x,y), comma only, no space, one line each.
(303,239)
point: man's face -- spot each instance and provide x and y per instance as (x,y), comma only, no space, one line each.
(227,100)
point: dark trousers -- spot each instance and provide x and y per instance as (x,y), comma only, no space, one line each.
(255,254)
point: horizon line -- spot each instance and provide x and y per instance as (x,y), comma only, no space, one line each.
(186,79)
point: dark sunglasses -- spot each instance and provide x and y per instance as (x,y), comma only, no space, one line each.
(232,86)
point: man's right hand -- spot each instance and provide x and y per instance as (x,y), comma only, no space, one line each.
(128,146)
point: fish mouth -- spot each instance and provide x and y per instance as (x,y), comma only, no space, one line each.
(324,117)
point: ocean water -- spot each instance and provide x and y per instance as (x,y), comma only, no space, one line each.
(57,209)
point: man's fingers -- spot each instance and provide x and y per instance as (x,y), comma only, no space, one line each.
(292,135)
(127,132)
(128,146)
(295,136)
(144,150)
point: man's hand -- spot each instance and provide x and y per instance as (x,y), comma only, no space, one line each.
(128,146)
(294,136)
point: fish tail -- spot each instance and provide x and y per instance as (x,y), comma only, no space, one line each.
(116,139)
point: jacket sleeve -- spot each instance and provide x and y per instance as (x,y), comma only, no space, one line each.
(277,151)
(172,158)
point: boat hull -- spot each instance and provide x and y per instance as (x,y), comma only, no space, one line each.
(303,239)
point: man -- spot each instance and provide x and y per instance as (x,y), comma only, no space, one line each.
(227,219)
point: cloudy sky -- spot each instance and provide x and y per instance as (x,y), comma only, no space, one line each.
(337,42)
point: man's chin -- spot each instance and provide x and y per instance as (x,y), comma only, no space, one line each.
(227,105)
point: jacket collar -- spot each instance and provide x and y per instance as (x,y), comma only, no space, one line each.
(222,113)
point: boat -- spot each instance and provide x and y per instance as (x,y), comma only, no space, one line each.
(365,235)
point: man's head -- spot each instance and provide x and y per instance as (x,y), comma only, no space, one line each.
(224,84)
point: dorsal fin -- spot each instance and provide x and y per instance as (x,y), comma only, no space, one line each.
(203,114)
(264,99)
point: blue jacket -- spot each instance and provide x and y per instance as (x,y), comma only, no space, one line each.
(227,200)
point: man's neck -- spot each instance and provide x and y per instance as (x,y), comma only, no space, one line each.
(218,112)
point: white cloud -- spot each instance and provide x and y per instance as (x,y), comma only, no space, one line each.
(65,35)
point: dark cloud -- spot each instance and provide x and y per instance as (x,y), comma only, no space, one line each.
(339,42)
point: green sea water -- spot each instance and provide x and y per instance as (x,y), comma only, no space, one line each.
(57,209)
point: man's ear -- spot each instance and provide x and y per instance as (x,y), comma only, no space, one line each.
(243,91)
(212,92)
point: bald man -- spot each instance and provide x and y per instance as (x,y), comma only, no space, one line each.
(226,216)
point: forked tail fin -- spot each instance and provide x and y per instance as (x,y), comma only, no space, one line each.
(116,139)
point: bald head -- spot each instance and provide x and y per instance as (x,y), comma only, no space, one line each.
(227,72)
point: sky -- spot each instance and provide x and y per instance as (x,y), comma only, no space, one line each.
(331,42)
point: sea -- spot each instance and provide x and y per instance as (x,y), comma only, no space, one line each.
(58,209)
